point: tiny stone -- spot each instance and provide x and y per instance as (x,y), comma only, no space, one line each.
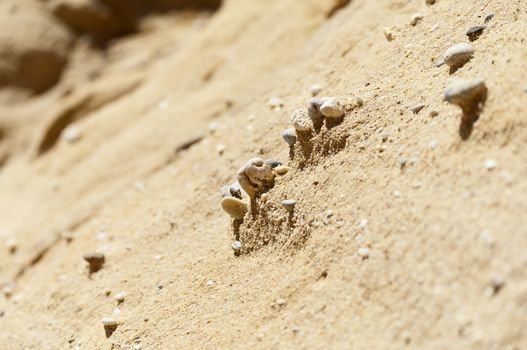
(301,120)
(210,283)
(281,170)
(489,17)
(388,34)
(220,148)
(417,108)
(95,261)
(276,103)
(237,191)
(315,89)
(213,127)
(364,252)
(432,144)
(457,55)
(434,114)
(497,282)
(466,94)
(119,297)
(11,245)
(289,135)
(281,301)
(273,163)
(236,246)
(416,18)
(473,33)
(331,108)
(329,213)
(384,136)
(235,207)
(71,134)
(490,164)
(108,322)
(363,223)
(396,194)
(430,2)
(289,205)
(225,191)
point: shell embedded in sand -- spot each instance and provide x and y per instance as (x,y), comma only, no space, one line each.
(254,176)
(331,108)
(235,207)
(456,56)
(301,120)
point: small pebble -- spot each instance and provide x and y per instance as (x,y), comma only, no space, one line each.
(71,134)
(364,252)
(315,89)
(273,163)
(210,283)
(235,207)
(433,114)
(331,108)
(213,127)
(363,223)
(473,33)
(276,103)
(11,245)
(289,136)
(281,301)
(489,17)
(236,246)
(220,148)
(416,18)
(108,322)
(396,194)
(457,55)
(225,191)
(432,144)
(490,164)
(289,205)
(255,176)
(301,120)
(430,2)
(389,34)
(281,170)
(95,261)
(497,281)
(120,297)
(417,108)
(467,94)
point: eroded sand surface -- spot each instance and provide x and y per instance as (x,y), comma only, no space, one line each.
(404,234)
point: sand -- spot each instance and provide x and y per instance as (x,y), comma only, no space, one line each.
(445,233)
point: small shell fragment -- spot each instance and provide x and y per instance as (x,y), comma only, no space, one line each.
(331,108)
(457,55)
(235,207)
(289,136)
(301,120)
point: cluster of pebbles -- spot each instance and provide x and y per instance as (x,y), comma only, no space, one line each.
(257,175)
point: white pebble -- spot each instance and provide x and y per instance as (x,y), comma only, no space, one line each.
(315,89)
(490,164)
(457,55)
(220,148)
(289,205)
(364,252)
(396,194)
(331,108)
(71,134)
(119,297)
(210,283)
(432,144)
(363,223)
(108,322)
(213,127)
(236,246)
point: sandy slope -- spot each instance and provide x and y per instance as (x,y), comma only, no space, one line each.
(142,185)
